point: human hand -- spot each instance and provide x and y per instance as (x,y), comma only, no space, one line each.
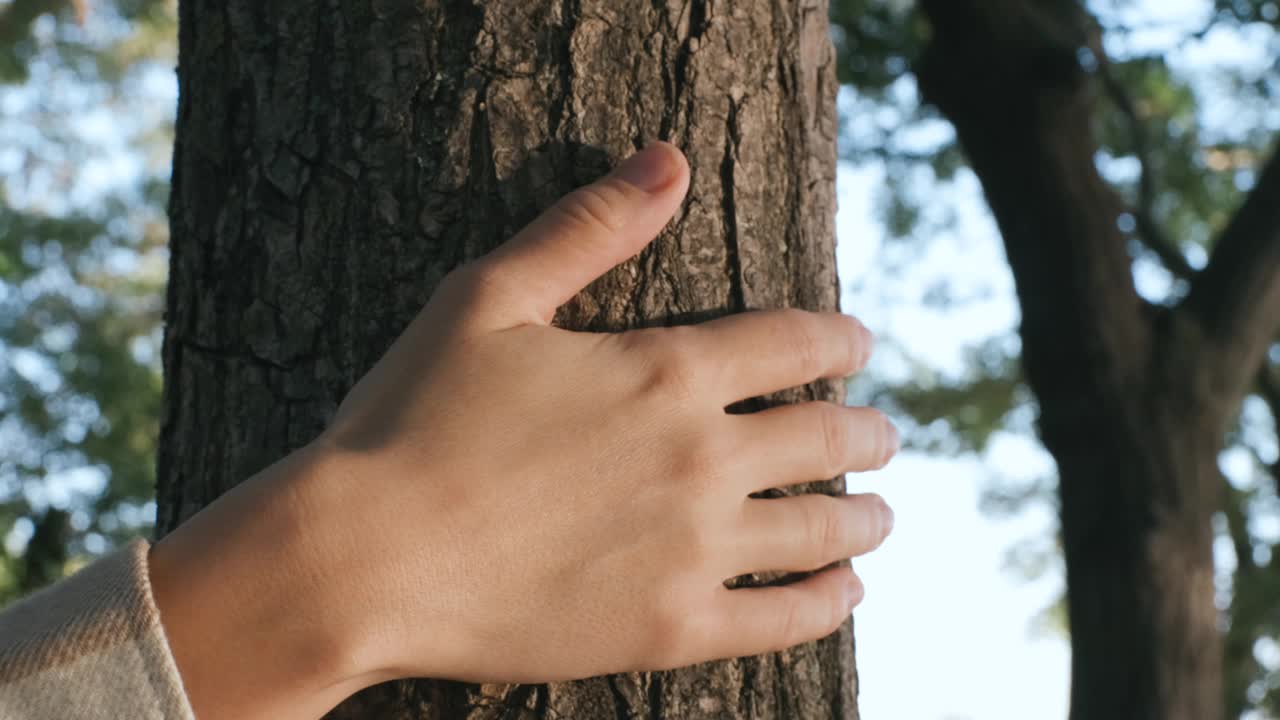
(499,500)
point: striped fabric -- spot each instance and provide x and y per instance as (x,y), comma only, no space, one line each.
(90,648)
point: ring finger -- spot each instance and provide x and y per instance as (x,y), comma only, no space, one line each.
(806,532)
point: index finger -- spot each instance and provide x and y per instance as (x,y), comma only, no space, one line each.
(760,352)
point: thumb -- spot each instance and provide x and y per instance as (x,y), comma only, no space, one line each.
(586,233)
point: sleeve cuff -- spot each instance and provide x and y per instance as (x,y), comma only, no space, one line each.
(91,648)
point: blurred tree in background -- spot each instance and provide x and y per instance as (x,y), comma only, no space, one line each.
(1185,117)
(86,98)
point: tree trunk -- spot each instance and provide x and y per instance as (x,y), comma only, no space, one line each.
(1130,407)
(334,160)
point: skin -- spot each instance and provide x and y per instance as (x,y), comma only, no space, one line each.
(499,500)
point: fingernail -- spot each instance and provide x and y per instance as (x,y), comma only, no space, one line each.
(866,341)
(894,442)
(886,519)
(852,592)
(651,169)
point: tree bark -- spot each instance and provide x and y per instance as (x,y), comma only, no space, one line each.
(1133,401)
(334,160)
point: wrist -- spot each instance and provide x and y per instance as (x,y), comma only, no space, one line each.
(249,604)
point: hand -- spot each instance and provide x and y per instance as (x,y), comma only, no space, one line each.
(499,500)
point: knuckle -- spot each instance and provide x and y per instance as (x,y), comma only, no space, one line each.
(789,623)
(674,371)
(700,465)
(804,341)
(827,531)
(688,539)
(699,553)
(669,632)
(594,207)
(642,343)
(835,438)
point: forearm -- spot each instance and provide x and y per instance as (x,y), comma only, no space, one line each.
(230,585)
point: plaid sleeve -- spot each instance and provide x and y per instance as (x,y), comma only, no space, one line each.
(90,648)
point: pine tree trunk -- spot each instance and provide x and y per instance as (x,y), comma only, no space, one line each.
(334,160)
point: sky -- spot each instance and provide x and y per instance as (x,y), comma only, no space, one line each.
(946,632)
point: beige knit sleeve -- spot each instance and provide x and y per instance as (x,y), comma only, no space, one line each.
(90,648)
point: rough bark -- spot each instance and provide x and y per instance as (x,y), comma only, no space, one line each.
(1134,400)
(334,160)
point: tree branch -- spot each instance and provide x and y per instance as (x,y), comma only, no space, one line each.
(1007,74)
(1237,296)
(1149,230)
(1151,235)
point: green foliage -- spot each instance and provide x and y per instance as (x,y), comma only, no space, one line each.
(877,40)
(959,415)
(82,267)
